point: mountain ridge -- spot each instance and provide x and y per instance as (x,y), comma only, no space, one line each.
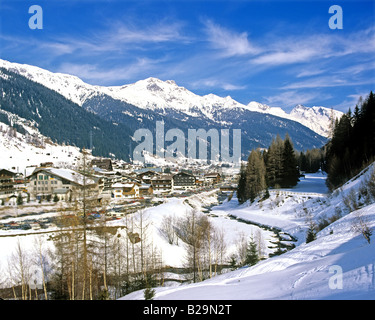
(155,94)
(118,120)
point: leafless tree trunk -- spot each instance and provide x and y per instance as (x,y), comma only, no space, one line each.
(41,261)
(19,265)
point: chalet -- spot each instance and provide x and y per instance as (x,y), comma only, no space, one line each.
(105,164)
(125,190)
(145,190)
(199,182)
(49,181)
(212,178)
(184,181)
(146,176)
(162,183)
(7,183)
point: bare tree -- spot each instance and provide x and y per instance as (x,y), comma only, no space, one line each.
(18,270)
(168,229)
(40,260)
(196,231)
(361,225)
(241,248)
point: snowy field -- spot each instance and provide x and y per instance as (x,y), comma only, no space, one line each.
(339,264)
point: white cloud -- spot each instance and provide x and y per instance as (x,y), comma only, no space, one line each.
(231,43)
(290,99)
(327,82)
(100,76)
(350,102)
(214,83)
(164,31)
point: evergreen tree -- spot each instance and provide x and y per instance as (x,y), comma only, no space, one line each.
(290,173)
(149,293)
(252,256)
(241,185)
(55,198)
(352,146)
(255,176)
(19,199)
(311,234)
(274,164)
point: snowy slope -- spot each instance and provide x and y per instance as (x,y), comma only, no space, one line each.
(69,86)
(306,272)
(19,151)
(174,255)
(155,94)
(314,270)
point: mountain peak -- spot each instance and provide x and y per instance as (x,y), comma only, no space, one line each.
(153,93)
(300,107)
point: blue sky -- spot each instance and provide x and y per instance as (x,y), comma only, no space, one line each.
(281,53)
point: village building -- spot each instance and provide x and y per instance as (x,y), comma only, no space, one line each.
(125,190)
(162,183)
(212,178)
(105,164)
(184,181)
(145,190)
(7,184)
(65,183)
(146,176)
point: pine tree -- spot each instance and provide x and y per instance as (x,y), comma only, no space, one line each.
(352,146)
(19,199)
(252,256)
(290,173)
(255,176)
(275,162)
(241,185)
(311,234)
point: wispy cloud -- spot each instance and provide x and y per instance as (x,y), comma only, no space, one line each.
(97,74)
(327,82)
(156,33)
(289,99)
(310,48)
(231,43)
(350,101)
(122,37)
(214,83)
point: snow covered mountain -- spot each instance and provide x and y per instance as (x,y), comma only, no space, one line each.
(317,119)
(71,111)
(154,94)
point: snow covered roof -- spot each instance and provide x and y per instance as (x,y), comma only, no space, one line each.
(163,177)
(123,185)
(67,174)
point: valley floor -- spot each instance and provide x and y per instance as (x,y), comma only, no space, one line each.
(339,264)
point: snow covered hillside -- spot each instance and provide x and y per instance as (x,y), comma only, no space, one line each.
(339,264)
(21,150)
